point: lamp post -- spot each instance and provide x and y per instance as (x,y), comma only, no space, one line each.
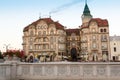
(6,46)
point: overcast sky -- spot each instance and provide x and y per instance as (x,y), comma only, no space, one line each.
(16,14)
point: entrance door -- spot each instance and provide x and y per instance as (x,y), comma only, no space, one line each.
(74,54)
(95,57)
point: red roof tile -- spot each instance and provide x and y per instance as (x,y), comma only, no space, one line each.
(70,31)
(59,26)
(100,22)
(48,21)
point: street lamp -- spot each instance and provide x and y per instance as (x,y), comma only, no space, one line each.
(6,46)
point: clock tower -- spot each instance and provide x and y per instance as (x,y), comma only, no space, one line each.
(86,16)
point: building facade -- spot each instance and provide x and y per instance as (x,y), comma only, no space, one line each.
(115,48)
(73,41)
(44,37)
(94,33)
(48,38)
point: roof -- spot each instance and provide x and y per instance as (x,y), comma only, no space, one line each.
(70,31)
(115,38)
(100,22)
(86,10)
(47,20)
(58,25)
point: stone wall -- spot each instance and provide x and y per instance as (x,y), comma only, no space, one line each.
(60,71)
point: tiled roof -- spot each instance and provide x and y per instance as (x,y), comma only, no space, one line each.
(100,22)
(70,31)
(48,21)
(58,25)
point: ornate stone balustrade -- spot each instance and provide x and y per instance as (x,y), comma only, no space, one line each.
(60,71)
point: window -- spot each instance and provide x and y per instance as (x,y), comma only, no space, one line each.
(115,49)
(39,47)
(51,39)
(31,33)
(103,38)
(30,46)
(44,46)
(93,30)
(51,46)
(52,31)
(104,30)
(39,33)
(44,39)
(104,46)
(44,32)
(59,53)
(94,46)
(94,37)
(101,30)
(36,47)
(31,39)
(114,43)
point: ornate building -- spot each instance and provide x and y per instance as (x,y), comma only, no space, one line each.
(48,38)
(44,37)
(73,41)
(94,33)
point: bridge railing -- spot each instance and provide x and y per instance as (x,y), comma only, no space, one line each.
(60,71)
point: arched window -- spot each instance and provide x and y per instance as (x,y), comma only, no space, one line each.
(101,30)
(51,31)
(104,30)
(39,33)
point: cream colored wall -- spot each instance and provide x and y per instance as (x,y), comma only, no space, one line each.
(117,53)
(94,30)
(56,34)
(85,19)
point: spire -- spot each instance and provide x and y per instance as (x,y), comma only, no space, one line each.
(86,16)
(39,15)
(85,1)
(86,9)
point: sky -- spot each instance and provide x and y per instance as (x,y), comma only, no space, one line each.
(17,14)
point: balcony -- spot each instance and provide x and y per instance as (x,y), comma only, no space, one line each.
(83,41)
(104,40)
(103,48)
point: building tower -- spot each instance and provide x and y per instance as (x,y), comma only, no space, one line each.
(94,38)
(86,16)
